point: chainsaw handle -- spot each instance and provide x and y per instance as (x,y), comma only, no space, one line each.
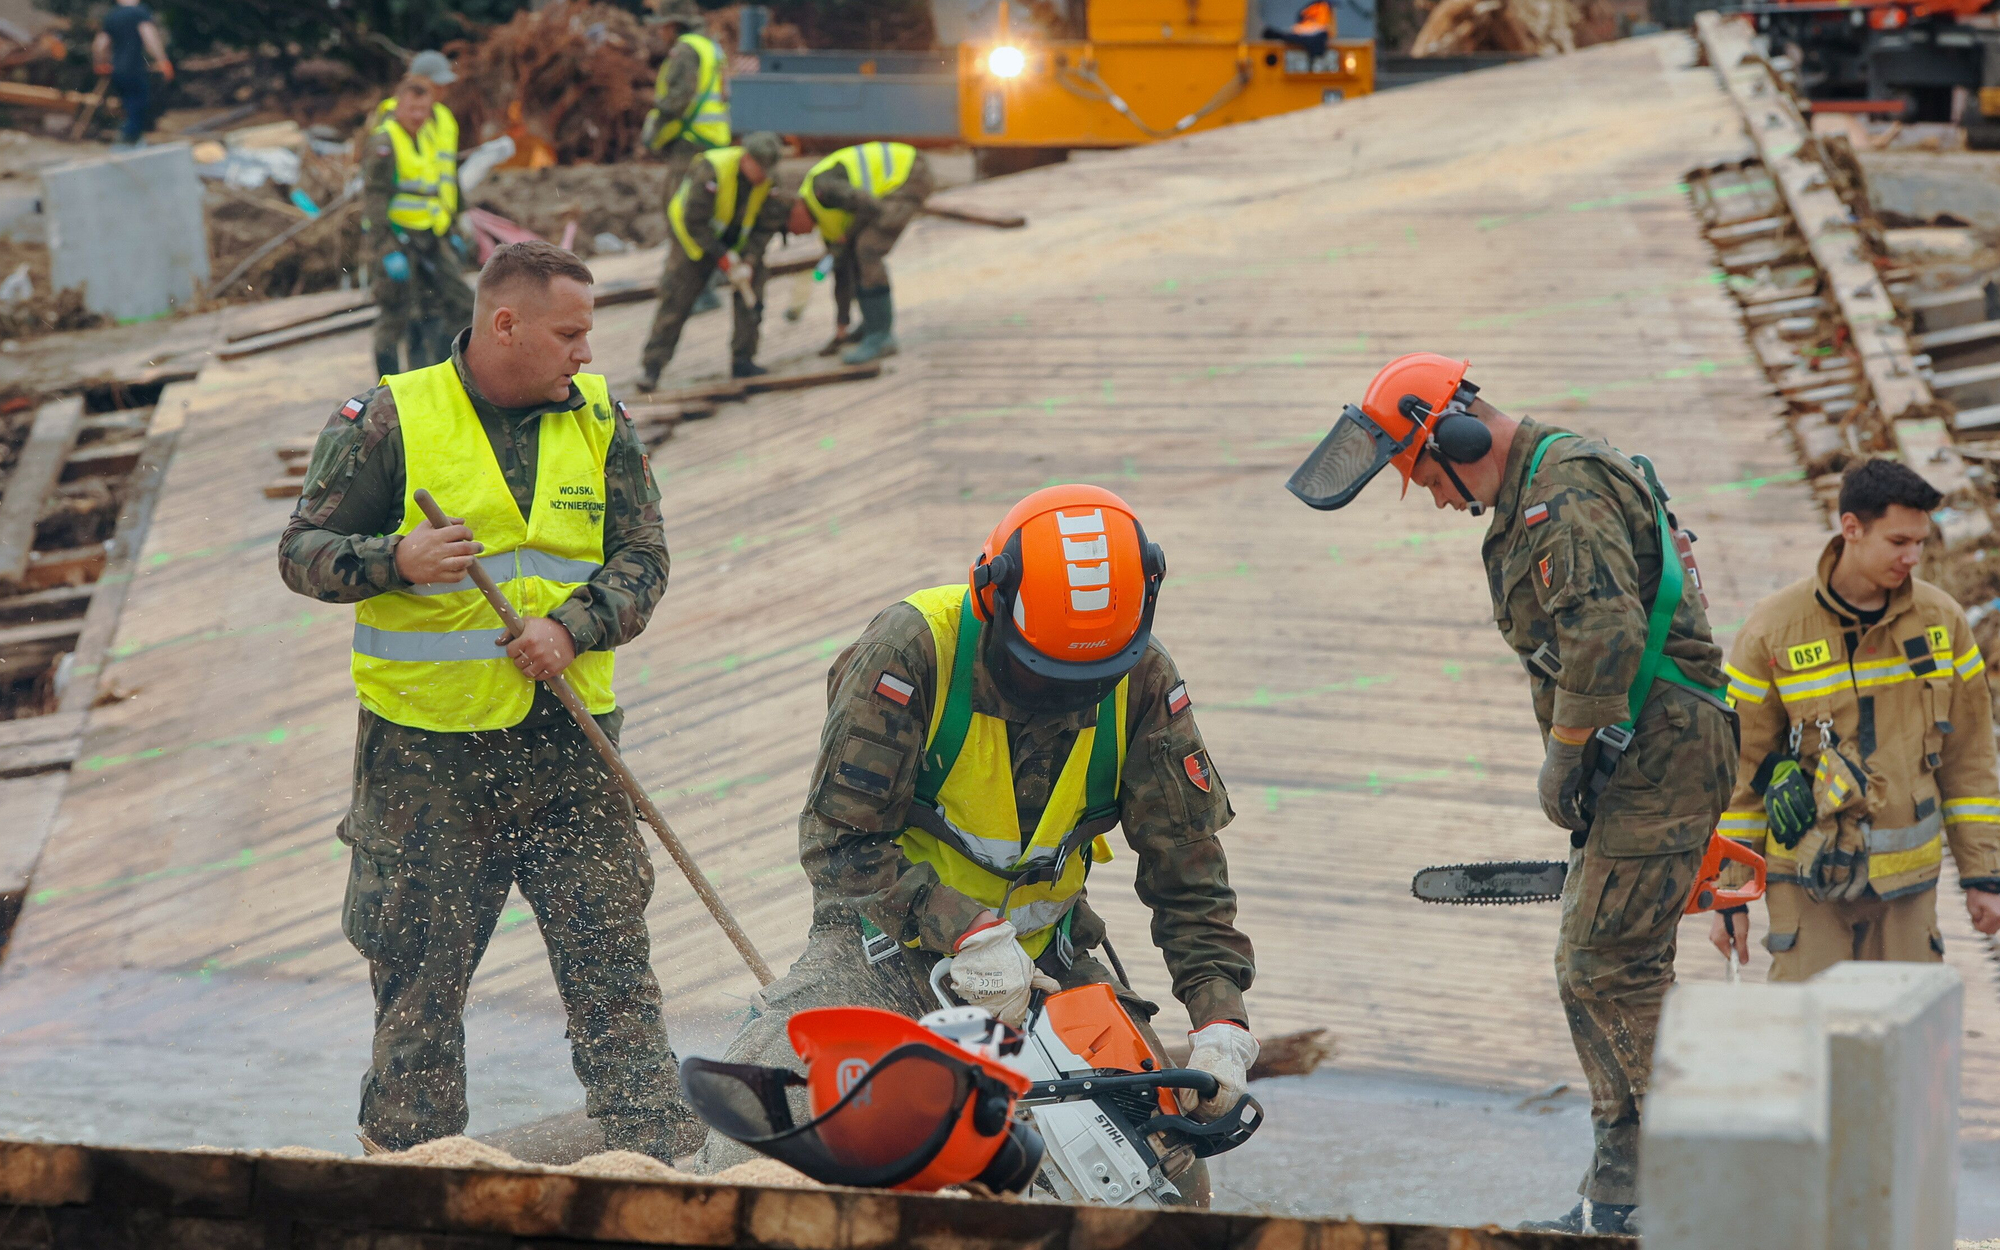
(1749,892)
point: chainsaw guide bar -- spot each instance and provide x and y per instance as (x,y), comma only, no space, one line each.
(1513,881)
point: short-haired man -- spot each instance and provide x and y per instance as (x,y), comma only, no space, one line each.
(469,777)
(690,113)
(409,205)
(1867,743)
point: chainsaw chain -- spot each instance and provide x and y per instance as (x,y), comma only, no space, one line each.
(1478,902)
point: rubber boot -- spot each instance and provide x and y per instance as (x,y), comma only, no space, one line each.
(1590,1217)
(746,369)
(878,328)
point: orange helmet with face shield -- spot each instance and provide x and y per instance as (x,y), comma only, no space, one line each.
(1415,404)
(1066,586)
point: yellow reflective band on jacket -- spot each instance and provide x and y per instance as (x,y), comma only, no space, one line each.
(727,165)
(1743,688)
(977,799)
(425,657)
(706,120)
(1969,665)
(426,196)
(1972,811)
(1744,825)
(875,168)
(1911,853)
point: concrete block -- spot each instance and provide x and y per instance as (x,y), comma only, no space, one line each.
(1736,1133)
(1893,1033)
(127,229)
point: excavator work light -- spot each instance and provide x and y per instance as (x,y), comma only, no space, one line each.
(1006,62)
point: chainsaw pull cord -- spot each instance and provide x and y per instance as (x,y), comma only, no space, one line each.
(1614,740)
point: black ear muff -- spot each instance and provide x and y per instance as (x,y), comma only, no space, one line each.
(1461,437)
(1153,560)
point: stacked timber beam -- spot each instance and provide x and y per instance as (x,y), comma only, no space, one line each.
(1813,227)
(61,1197)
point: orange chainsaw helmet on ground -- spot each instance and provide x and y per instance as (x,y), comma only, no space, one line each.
(1416,403)
(1068,582)
(893,1104)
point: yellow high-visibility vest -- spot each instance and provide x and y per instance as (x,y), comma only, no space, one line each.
(877,168)
(424,657)
(965,791)
(706,120)
(426,195)
(727,165)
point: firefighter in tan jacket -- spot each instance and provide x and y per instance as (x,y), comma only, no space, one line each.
(1867,744)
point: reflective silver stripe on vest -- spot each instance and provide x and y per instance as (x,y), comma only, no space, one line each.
(1001,853)
(867,176)
(1034,917)
(549,568)
(1907,838)
(422,647)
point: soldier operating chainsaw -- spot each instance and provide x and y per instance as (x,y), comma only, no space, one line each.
(1590,589)
(981,738)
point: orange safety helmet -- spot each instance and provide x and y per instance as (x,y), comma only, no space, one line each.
(1067,583)
(893,1104)
(1416,403)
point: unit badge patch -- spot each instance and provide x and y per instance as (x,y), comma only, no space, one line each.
(1198,771)
(1177,699)
(894,689)
(1543,569)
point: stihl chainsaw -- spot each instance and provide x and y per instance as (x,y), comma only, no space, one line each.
(1541,881)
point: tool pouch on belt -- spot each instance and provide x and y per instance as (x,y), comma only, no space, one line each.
(1833,856)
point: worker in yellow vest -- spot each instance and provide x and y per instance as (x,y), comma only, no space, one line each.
(969,767)
(409,204)
(860,199)
(690,112)
(469,777)
(722,218)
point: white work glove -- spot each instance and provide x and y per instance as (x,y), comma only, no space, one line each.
(991,969)
(738,273)
(1225,1051)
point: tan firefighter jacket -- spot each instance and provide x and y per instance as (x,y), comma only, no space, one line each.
(1910,703)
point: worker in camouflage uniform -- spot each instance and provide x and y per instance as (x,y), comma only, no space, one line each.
(1867,744)
(860,199)
(409,206)
(1637,770)
(723,216)
(690,113)
(966,778)
(469,776)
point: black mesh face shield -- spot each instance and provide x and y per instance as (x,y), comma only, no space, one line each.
(901,1115)
(1347,459)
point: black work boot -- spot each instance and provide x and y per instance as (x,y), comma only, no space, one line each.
(1591,1217)
(746,369)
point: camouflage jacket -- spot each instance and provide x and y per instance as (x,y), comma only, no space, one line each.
(683,77)
(1573,561)
(340,545)
(378,186)
(746,239)
(847,833)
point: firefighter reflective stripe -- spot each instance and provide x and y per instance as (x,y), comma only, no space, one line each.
(1813,681)
(425,657)
(968,776)
(727,166)
(1912,848)
(1972,811)
(1870,673)
(526,562)
(1969,665)
(426,195)
(874,168)
(1743,824)
(1743,688)
(706,121)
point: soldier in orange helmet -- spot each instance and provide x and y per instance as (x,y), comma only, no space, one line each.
(981,738)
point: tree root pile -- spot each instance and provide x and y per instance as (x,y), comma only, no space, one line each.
(572,82)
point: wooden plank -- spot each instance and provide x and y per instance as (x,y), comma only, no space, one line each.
(27,730)
(70,566)
(811,377)
(285,488)
(1959,336)
(340,323)
(103,459)
(303,449)
(39,757)
(34,473)
(999,221)
(16,636)
(292,318)
(45,604)
(1783,138)
(111,424)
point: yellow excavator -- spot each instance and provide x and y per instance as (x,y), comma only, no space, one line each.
(1125,72)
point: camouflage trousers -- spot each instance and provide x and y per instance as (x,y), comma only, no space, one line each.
(681,283)
(861,263)
(425,311)
(442,826)
(1621,910)
(834,972)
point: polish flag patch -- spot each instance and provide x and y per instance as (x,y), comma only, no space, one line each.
(1177,700)
(1198,771)
(1536,515)
(894,689)
(352,409)
(619,404)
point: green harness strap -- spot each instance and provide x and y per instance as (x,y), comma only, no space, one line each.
(1654,662)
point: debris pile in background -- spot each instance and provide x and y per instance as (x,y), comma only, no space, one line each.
(1461,27)
(571,83)
(623,201)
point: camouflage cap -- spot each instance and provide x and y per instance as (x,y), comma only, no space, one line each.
(685,12)
(434,66)
(767,148)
